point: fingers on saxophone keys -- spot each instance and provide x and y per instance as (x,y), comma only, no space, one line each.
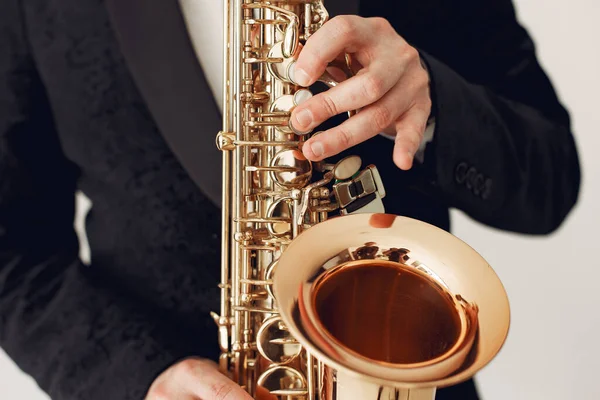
(353,94)
(363,126)
(341,34)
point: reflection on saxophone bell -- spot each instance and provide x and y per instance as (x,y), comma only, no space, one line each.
(366,305)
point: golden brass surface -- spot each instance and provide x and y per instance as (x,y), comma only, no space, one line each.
(323,295)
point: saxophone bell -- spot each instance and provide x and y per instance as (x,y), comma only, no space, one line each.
(390,306)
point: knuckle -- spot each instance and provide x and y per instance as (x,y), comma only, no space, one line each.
(310,56)
(373,87)
(344,138)
(382,117)
(411,54)
(221,390)
(329,105)
(422,100)
(344,25)
(159,391)
(187,367)
(381,24)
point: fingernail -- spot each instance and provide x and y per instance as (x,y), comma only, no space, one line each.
(299,76)
(317,148)
(304,118)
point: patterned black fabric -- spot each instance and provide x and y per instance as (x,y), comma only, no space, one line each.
(99,332)
(71,118)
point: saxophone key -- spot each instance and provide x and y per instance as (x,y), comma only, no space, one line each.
(223,334)
(284,381)
(255,97)
(347,168)
(275,343)
(253,309)
(225,141)
(257,282)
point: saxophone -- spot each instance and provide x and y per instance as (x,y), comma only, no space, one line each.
(366,305)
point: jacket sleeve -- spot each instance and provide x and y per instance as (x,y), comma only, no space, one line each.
(503,150)
(78,336)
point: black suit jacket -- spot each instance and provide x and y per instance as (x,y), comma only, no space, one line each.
(106,97)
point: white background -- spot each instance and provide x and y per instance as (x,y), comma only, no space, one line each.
(553,350)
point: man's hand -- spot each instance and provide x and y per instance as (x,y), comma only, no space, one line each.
(195,379)
(391,89)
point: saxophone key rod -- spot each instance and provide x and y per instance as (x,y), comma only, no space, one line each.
(293,144)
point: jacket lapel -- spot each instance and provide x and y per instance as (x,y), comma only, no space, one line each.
(156,45)
(157,48)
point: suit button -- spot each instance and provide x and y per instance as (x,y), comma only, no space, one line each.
(470,180)
(478,185)
(460,173)
(486,191)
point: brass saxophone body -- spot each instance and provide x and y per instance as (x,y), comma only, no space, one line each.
(364,306)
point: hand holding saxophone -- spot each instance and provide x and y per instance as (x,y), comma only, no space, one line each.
(391,89)
(195,379)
